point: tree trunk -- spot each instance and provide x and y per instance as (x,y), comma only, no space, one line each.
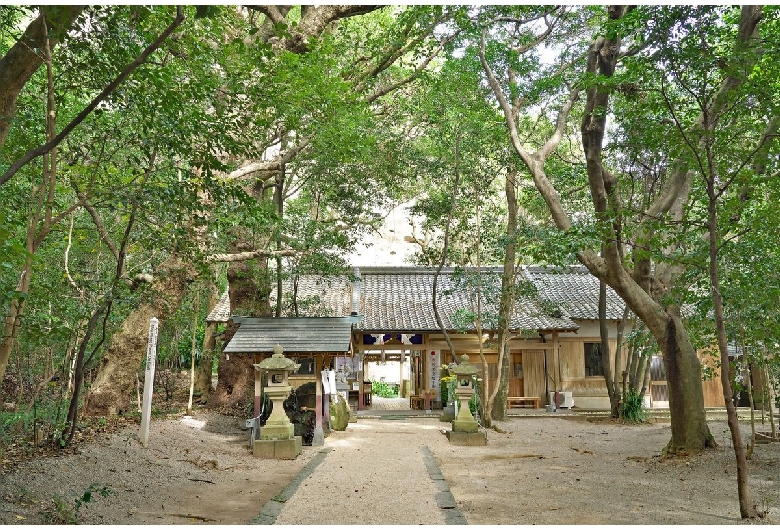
(78,379)
(20,62)
(690,432)
(746,507)
(113,389)
(507,301)
(611,370)
(249,289)
(204,369)
(235,380)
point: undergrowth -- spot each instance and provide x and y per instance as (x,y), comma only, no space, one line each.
(633,409)
(66,511)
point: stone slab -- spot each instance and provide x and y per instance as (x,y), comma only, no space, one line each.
(277,432)
(278,449)
(465,425)
(467,438)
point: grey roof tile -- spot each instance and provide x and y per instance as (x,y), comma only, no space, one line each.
(574,291)
(400,298)
(296,335)
(221,311)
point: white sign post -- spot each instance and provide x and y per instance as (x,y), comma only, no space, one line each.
(151,360)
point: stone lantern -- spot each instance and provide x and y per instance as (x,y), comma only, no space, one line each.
(277,439)
(465,429)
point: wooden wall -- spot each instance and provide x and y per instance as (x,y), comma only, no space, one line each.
(565,369)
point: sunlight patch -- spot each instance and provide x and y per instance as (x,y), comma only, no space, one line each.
(189,421)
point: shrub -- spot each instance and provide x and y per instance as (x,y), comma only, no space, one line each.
(633,409)
(447,389)
(382,389)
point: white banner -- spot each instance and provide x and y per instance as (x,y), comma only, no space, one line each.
(434,368)
(326,383)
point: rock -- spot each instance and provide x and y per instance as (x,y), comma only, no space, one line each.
(339,414)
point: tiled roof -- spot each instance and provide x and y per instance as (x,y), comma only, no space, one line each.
(260,335)
(400,299)
(574,291)
(221,311)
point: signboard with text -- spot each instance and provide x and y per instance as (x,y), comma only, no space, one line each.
(434,369)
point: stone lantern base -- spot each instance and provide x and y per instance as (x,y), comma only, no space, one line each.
(467,438)
(279,449)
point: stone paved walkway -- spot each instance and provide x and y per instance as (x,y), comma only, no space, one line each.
(361,478)
(380,403)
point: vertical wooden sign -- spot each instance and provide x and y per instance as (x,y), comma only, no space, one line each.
(151,361)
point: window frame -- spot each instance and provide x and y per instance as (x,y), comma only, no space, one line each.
(589,355)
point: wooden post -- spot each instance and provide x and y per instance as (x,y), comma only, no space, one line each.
(319,435)
(151,360)
(559,382)
(401,375)
(361,376)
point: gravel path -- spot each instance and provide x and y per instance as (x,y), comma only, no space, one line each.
(534,470)
(369,478)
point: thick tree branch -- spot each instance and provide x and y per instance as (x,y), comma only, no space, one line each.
(314,20)
(48,146)
(101,228)
(534,161)
(271,165)
(680,175)
(252,254)
(23,59)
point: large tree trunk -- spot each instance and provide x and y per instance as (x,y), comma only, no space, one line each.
(690,433)
(114,387)
(235,381)
(249,290)
(686,398)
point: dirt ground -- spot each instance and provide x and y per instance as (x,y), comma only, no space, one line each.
(539,470)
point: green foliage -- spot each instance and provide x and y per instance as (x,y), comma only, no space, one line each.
(448,384)
(632,409)
(67,512)
(382,389)
(46,420)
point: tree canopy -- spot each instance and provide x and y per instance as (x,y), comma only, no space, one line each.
(151,152)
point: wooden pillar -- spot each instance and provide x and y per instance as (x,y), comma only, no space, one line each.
(401,375)
(557,349)
(319,435)
(360,380)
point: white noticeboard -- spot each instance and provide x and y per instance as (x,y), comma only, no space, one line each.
(151,360)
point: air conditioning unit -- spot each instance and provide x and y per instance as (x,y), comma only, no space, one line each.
(565,400)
